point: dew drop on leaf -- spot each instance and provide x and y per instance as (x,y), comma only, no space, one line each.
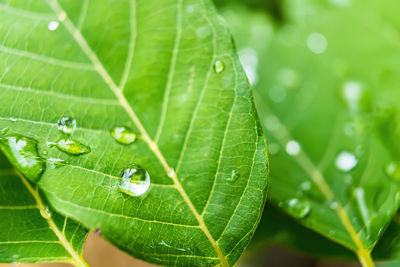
(71,146)
(135,181)
(171,172)
(53,25)
(66,125)
(392,170)
(346,161)
(22,152)
(55,163)
(297,208)
(123,135)
(45,213)
(234,176)
(13,119)
(219,66)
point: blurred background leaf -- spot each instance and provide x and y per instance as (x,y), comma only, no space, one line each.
(325,82)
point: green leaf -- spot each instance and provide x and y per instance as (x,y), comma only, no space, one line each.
(325,86)
(30,230)
(165,71)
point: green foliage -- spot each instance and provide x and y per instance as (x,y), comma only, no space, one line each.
(325,87)
(102,88)
(30,230)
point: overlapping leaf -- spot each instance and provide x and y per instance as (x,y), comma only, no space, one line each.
(30,230)
(326,87)
(168,71)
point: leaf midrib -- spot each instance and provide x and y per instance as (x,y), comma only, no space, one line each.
(81,41)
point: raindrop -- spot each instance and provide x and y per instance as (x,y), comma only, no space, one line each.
(293,148)
(13,119)
(393,170)
(66,124)
(219,66)
(53,25)
(71,146)
(55,163)
(135,181)
(297,208)
(171,172)
(317,43)
(45,213)
(123,135)
(346,161)
(234,176)
(22,152)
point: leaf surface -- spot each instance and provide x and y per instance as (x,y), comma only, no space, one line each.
(30,230)
(167,70)
(325,88)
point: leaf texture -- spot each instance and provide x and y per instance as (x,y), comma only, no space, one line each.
(327,104)
(150,66)
(30,230)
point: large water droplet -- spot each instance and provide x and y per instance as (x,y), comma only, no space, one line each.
(22,152)
(393,170)
(346,161)
(67,125)
(71,146)
(297,208)
(234,176)
(135,181)
(53,25)
(123,135)
(219,66)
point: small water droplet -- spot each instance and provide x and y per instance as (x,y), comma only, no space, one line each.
(346,161)
(305,186)
(297,208)
(135,181)
(171,172)
(67,125)
(219,66)
(123,135)
(393,170)
(234,176)
(22,152)
(293,148)
(55,163)
(317,43)
(45,212)
(13,119)
(70,146)
(53,25)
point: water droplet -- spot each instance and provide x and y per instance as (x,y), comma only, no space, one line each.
(55,163)
(45,212)
(22,152)
(293,148)
(346,161)
(393,170)
(70,146)
(297,208)
(135,181)
(67,125)
(171,172)
(219,66)
(234,176)
(13,119)
(98,232)
(305,186)
(123,135)
(334,205)
(317,43)
(53,25)
(44,152)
